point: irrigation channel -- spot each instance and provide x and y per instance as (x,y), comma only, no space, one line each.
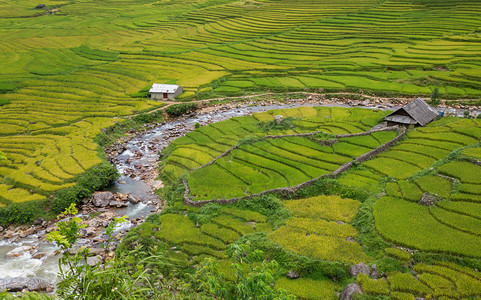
(137,160)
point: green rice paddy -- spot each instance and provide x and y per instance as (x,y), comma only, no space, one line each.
(66,72)
(439,162)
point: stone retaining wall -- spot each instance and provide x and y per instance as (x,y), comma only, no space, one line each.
(326,142)
(289,190)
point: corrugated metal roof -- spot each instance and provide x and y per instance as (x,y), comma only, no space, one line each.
(401,119)
(419,110)
(163,88)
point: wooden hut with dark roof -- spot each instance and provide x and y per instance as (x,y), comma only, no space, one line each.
(417,113)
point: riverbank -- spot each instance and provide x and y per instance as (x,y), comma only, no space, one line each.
(136,156)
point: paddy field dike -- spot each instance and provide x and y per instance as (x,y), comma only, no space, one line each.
(322,190)
(74,67)
(410,205)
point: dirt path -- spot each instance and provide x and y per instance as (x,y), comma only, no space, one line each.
(306,94)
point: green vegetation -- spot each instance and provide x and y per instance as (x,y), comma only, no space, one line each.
(260,162)
(321,229)
(439,280)
(180,109)
(67,75)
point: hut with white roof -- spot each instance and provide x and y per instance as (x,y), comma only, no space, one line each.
(165,91)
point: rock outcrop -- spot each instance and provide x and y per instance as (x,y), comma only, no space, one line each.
(18,284)
(349,291)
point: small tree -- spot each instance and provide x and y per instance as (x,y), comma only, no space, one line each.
(435,97)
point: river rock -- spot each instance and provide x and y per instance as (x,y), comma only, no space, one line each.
(157,184)
(292,274)
(278,119)
(18,284)
(40,6)
(134,199)
(39,255)
(94,260)
(102,199)
(89,231)
(38,221)
(349,291)
(107,215)
(19,251)
(26,232)
(374,272)
(359,268)
(118,204)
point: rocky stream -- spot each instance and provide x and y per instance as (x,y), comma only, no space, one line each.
(29,262)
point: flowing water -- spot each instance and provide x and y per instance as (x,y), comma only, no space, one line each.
(149,144)
(140,151)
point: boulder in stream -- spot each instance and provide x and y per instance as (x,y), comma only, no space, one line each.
(19,251)
(134,199)
(102,199)
(18,284)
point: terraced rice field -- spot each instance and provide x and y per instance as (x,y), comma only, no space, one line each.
(319,228)
(270,163)
(423,204)
(440,161)
(440,280)
(67,72)
(421,165)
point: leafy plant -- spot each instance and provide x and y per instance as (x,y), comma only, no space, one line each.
(285,124)
(180,109)
(435,97)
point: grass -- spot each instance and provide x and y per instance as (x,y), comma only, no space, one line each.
(308,232)
(325,207)
(462,170)
(257,164)
(306,288)
(403,282)
(439,280)
(318,246)
(398,253)
(373,286)
(411,225)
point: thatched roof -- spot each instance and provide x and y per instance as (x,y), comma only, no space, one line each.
(416,112)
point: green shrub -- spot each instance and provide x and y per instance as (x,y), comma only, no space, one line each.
(93,180)
(22,213)
(363,221)
(273,126)
(180,109)
(267,205)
